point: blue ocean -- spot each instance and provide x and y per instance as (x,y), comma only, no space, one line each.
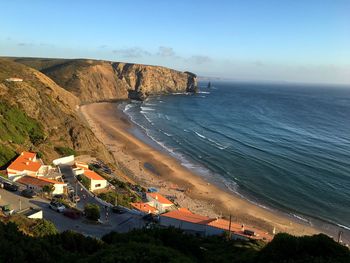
(282,146)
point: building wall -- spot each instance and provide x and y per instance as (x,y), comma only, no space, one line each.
(59,189)
(68,160)
(160,207)
(186,226)
(97,184)
(37,215)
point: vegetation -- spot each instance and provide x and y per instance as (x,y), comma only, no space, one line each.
(6,154)
(16,126)
(123,199)
(65,151)
(85,181)
(44,228)
(163,245)
(92,211)
(33,227)
(49,188)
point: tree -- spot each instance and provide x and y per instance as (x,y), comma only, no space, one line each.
(92,211)
(44,228)
(49,188)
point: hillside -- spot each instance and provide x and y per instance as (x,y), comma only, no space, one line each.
(96,80)
(39,115)
(158,245)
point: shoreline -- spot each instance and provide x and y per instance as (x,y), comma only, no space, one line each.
(152,167)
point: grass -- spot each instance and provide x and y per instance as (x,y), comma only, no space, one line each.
(66,151)
(16,126)
(6,154)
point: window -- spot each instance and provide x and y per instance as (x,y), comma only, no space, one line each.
(97,185)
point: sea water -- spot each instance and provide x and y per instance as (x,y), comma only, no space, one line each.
(281,146)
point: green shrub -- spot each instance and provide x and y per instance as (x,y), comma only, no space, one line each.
(18,127)
(92,211)
(65,151)
(6,154)
(85,181)
(44,228)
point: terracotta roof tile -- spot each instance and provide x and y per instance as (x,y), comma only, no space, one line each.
(161,199)
(25,162)
(144,207)
(92,175)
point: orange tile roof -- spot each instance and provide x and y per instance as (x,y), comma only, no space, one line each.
(92,175)
(237,229)
(82,165)
(187,216)
(38,181)
(24,162)
(144,207)
(225,224)
(161,199)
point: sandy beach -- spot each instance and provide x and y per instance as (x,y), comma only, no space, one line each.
(149,167)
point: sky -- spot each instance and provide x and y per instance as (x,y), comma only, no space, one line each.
(280,40)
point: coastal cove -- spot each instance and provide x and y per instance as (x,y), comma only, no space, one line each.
(153,165)
(112,127)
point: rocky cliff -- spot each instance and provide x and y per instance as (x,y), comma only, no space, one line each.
(93,80)
(38,99)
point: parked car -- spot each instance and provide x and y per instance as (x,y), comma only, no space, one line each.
(71,213)
(118,210)
(74,197)
(58,196)
(57,206)
(29,193)
(70,189)
(10,187)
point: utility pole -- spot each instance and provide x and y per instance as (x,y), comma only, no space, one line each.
(339,236)
(229,228)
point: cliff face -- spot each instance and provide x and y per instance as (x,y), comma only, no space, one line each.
(92,80)
(142,81)
(40,98)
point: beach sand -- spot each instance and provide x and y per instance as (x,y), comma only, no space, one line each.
(145,165)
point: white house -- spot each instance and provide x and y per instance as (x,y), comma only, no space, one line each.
(25,164)
(96,181)
(159,202)
(37,183)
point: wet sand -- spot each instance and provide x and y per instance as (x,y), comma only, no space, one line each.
(150,167)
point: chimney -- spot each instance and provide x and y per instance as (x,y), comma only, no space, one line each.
(156,197)
(242,227)
(27,163)
(22,153)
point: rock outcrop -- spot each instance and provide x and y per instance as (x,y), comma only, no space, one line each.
(94,80)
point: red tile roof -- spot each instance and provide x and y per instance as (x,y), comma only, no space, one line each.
(82,165)
(161,199)
(25,162)
(144,207)
(187,216)
(38,181)
(92,175)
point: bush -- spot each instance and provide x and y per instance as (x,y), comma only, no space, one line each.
(92,211)
(85,181)
(6,154)
(65,151)
(115,198)
(44,228)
